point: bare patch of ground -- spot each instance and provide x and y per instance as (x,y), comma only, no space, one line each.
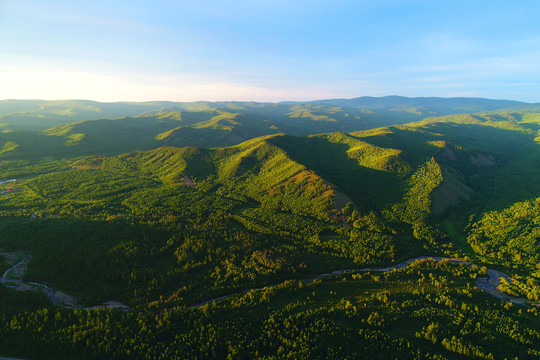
(12,258)
(449,193)
(482,159)
(339,200)
(449,154)
(111,304)
(18,272)
(21,286)
(187,181)
(491,286)
(233,138)
(65,299)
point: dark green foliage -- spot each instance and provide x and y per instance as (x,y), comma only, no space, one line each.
(428,311)
(170,227)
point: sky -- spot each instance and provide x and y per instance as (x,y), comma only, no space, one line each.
(260,50)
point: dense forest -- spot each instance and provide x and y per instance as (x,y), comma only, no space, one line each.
(244,204)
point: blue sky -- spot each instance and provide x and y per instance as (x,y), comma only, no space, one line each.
(268,50)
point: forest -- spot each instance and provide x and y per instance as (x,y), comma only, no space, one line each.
(216,246)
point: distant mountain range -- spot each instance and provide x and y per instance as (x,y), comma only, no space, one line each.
(351,114)
(37,128)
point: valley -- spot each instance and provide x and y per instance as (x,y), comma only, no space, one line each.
(488,284)
(333,229)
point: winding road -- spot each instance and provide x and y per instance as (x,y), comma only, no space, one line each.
(488,284)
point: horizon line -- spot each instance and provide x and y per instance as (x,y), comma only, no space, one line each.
(271,102)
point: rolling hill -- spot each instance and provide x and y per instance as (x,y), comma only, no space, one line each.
(203,128)
(216,224)
(315,117)
(27,130)
(421,107)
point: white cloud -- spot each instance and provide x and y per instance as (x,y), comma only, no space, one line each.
(46,82)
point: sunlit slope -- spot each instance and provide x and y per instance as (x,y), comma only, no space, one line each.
(392,171)
(199,126)
(307,117)
(221,129)
(502,170)
(254,170)
(204,128)
(414,170)
(42,114)
(211,221)
(415,109)
(431,165)
(488,188)
(467,172)
(315,117)
(464,170)
(375,168)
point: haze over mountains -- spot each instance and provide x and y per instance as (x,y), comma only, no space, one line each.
(86,127)
(42,114)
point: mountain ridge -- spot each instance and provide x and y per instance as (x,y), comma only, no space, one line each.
(161,227)
(42,114)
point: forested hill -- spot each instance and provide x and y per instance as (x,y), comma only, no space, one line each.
(414,108)
(37,129)
(107,213)
(313,117)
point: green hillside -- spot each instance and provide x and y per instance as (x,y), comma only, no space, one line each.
(311,117)
(211,128)
(171,208)
(417,108)
(41,114)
